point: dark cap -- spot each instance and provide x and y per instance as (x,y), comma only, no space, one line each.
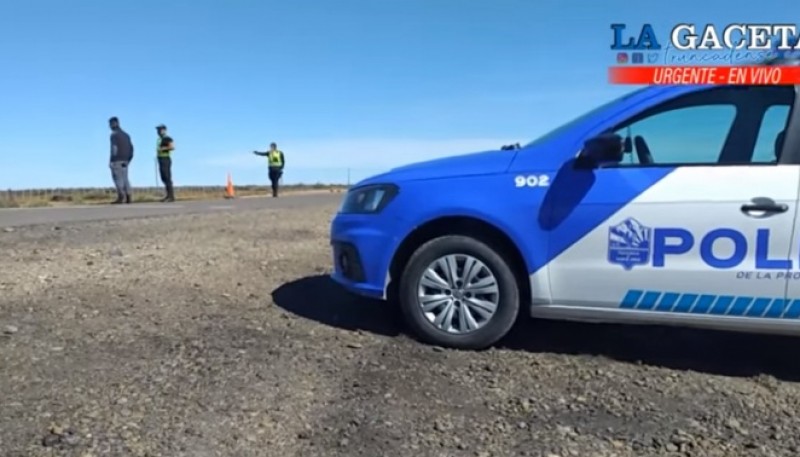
(113,119)
(161,126)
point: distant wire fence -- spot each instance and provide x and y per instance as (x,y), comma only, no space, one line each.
(29,198)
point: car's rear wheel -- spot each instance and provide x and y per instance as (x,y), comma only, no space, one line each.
(458,292)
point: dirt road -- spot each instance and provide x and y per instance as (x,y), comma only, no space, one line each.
(220,335)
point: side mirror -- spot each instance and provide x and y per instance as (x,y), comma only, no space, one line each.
(608,147)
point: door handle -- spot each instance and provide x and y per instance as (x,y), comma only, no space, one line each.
(765,207)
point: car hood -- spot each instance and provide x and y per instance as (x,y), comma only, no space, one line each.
(477,163)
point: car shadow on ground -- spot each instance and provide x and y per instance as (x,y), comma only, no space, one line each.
(714,352)
(320,299)
(707,351)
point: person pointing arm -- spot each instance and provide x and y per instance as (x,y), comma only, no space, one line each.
(277,161)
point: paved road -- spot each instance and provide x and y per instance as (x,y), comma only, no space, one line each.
(16,217)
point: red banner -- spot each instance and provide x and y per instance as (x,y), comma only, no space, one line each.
(669,75)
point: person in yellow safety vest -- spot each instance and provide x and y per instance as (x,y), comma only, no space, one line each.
(164,148)
(276,162)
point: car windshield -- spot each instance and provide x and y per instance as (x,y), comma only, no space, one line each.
(557,131)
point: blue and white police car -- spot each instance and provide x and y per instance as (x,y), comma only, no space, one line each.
(671,205)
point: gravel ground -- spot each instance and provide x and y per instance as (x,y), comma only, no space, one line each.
(220,335)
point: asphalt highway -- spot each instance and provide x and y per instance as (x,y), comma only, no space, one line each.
(16,217)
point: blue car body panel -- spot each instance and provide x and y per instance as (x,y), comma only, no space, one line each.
(480,185)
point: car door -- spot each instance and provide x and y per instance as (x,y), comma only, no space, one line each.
(697,219)
(791,307)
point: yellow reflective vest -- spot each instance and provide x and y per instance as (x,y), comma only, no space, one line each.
(159,152)
(275,158)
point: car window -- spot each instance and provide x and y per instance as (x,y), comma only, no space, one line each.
(774,122)
(723,125)
(687,135)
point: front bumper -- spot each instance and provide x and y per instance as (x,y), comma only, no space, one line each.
(361,252)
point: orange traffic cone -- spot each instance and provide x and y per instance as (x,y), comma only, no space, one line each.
(229,192)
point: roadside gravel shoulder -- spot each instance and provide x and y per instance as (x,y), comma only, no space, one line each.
(220,335)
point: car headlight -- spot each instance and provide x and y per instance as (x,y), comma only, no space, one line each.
(368,199)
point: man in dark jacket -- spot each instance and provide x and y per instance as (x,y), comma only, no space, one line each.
(121,156)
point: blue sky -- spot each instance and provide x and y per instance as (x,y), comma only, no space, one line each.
(339,84)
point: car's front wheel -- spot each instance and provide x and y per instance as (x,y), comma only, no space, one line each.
(458,292)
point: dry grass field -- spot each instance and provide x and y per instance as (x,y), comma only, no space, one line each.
(34,198)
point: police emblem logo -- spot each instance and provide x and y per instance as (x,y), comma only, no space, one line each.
(629,243)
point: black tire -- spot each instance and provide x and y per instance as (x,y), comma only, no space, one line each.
(497,326)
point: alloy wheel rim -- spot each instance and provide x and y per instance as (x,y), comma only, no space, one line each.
(458,294)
